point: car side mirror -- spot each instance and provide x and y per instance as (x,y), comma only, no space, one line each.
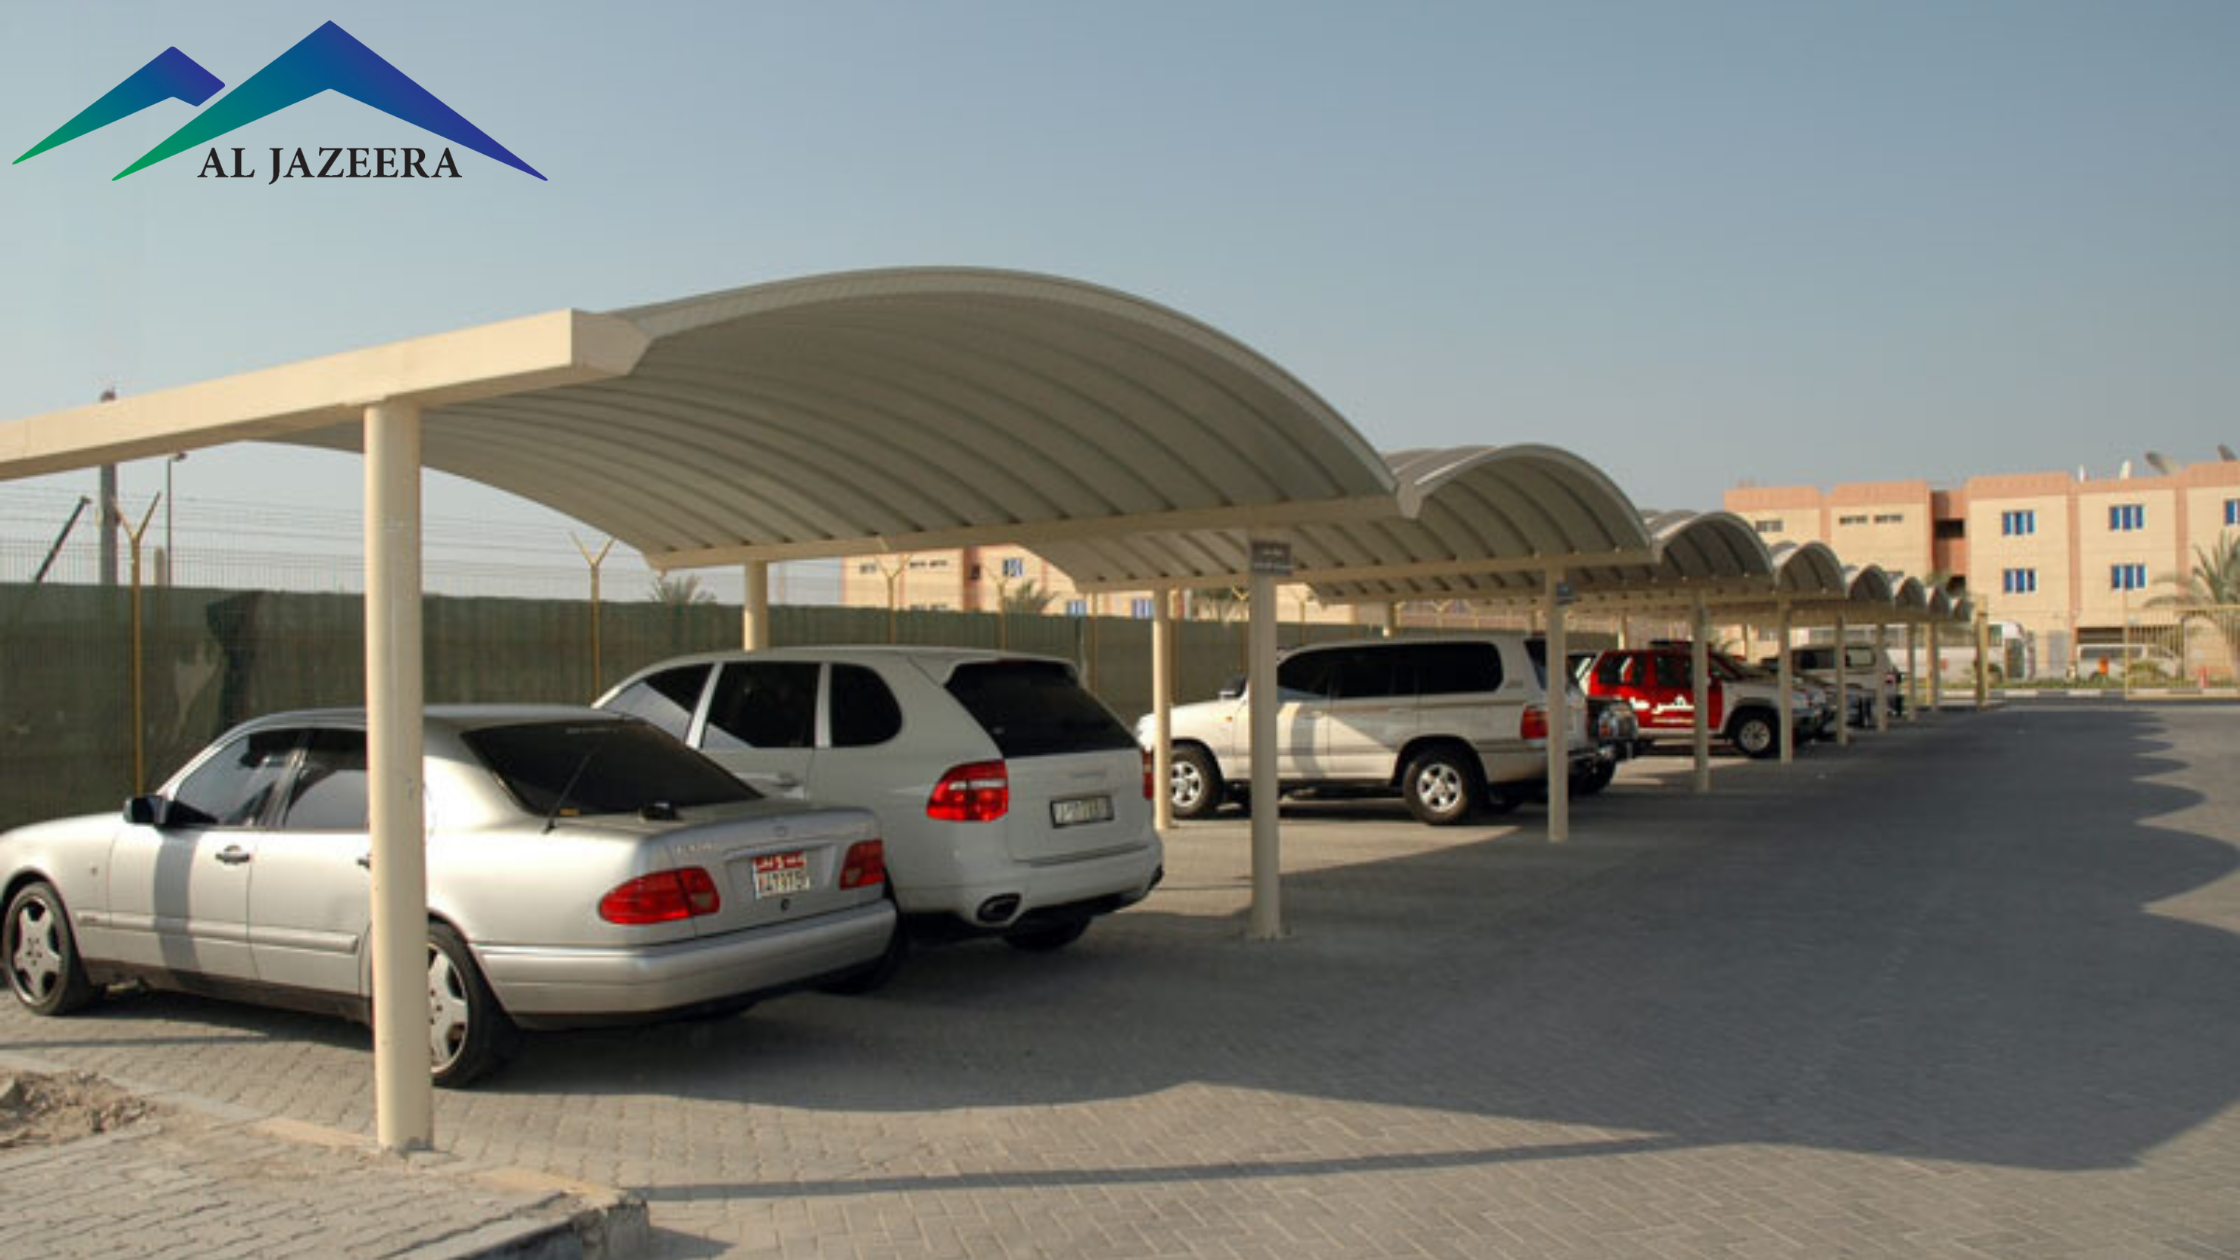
(148,811)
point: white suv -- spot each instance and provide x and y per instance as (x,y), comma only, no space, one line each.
(1011,801)
(1452,724)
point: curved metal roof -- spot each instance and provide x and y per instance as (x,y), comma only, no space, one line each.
(890,410)
(1867,584)
(1466,522)
(1713,554)
(1808,571)
(1911,598)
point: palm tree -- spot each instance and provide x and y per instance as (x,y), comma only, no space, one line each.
(1222,601)
(2210,593)
(678,588)
(1028,598)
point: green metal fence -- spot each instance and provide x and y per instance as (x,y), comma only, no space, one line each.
(212,658)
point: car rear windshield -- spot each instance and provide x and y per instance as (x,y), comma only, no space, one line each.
(563,769)
(1036,709)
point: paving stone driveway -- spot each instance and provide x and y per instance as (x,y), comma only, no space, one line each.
(1970,989)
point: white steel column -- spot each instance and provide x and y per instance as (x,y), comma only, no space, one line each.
(1392,619)
(1936,671)
(1786,673)
(403,1095)
(754,630)
(1699,662)
(1266,922)
(1881,680)
(1559,713)
(1843,688)
(1913,672)
(1983,659)
(1625,628)
(1162,710)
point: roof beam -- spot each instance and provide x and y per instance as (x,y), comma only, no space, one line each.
(533,352)
(1407,571)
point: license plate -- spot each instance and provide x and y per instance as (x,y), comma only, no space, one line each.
(778,874)
(1080,809)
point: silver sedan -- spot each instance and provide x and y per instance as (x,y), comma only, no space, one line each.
(582,868)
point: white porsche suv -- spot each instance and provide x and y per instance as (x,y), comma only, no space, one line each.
(1452,724)
(1011,801)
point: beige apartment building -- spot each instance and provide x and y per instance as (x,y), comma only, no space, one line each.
(2067,558)
(977,579)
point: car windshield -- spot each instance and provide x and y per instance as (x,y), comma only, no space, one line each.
(565,769)
(1036,709)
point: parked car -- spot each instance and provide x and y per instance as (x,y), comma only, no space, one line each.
(582,868)
(1659,683)
(1451,724)
(1011,800)
(1859,660)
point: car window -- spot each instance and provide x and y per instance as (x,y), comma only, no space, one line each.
(1035,709)
(565,769)
(1614,671)
(330,785)
(1447,669)
(1673,671)
(1371,674)
(763,704)
(1537,651)
(235,787)
(864,711)
(666,700)
(1306,676)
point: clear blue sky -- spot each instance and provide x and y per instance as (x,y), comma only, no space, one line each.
(1694,242)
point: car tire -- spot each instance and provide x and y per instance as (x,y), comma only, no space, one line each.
(1594,780)
(1443,785)
(873,977)
(1192,767)
(469,1034)
(1046,937)
(1757,734)
(42,955)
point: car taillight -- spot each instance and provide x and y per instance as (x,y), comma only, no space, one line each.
(865,865)
(979,792)
(1535,724)
(662,897)
(1147,774)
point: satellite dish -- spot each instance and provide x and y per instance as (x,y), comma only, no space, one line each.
(2225,453)
(2161,464)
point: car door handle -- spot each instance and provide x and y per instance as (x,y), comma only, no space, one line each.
(784,781)
(233,855)
(366,860)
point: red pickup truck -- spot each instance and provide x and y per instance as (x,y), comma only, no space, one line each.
(1659,685)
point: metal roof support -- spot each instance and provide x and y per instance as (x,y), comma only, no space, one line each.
(1162,711)
(1699,661)
(403,1095)
(1881,678)
(1936,670)
(1559,712)
(754,629)
(1843,686)
(1983,659)
(1786,673)
(1913,672)
(1266,923)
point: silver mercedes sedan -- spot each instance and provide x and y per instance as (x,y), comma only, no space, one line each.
(582,868)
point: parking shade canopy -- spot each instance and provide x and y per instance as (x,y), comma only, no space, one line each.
(833,415)
(1464,522)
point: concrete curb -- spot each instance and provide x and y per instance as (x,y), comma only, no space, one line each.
(590,1222)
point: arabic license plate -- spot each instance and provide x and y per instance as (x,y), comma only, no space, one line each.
(1077,810)
(778,874)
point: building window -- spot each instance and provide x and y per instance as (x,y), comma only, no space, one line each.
(1947,530)
(2127,577)
(972,574)
(2126,517)
(2232,511)
(1890,518)
(868,566)
(1077,608)
(1140,608)
(2015,524)
(1766,527)
(1851,520)
(2019,581)
(1015,566)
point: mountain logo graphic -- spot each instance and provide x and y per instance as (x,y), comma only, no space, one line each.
(328,59)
